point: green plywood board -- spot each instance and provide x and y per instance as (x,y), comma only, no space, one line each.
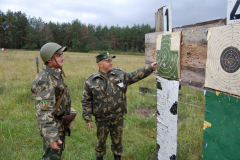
(221,136)
(168,49)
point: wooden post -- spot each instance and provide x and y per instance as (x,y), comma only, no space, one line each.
(159,24)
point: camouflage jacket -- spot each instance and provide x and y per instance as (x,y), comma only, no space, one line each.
(105,100)
(47,88)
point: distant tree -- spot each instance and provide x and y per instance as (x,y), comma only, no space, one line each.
(34,33)
(84,39)
(90,39)
(46,35)
(84,33)
(106,39)
(138,38)
(135,39)
(102,38)
(18,31)
(2,26)
(98,37)
(63,33)
(20,24)
(124,38)
(76,32)
(55,31)
(68,38)
(9,29)
(113,37)
(31,38)
(118,35)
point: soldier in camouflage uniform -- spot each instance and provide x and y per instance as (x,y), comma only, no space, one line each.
(107,102)
(47,87)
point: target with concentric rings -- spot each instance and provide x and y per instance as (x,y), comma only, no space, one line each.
(168,47)
(223,59)
(230,59)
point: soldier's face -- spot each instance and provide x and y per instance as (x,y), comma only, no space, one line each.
(59,58)
(105,65)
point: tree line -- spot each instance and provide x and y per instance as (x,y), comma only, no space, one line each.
(17,31)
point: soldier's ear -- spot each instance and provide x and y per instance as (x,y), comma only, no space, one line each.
(100,64)
(50,60)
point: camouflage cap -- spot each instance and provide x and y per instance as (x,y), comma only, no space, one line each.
(103,56)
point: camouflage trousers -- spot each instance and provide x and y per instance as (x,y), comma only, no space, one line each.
(52,154)
(115,127)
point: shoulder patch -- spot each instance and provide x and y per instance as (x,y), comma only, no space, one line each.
(43,105)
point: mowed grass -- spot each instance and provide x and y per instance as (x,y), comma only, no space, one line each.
(19,136)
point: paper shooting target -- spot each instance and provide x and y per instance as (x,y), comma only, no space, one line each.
(168,55)
(229,59)
(223,59)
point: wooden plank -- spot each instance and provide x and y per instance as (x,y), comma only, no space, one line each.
(150,47)
(159,24)
(193,51)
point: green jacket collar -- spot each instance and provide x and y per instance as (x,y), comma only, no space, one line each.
(97,74)
(52,71)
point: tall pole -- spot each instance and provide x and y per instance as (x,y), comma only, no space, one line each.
(37,63)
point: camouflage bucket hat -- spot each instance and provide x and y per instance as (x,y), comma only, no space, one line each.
(103,56)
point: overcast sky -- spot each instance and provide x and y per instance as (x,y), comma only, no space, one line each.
(121,12)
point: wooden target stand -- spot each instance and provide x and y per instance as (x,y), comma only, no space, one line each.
(222,109)
(168,53)
(203,65)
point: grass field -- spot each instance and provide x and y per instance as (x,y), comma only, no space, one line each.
(19,136)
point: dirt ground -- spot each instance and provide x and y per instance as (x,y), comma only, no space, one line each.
(145,111)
